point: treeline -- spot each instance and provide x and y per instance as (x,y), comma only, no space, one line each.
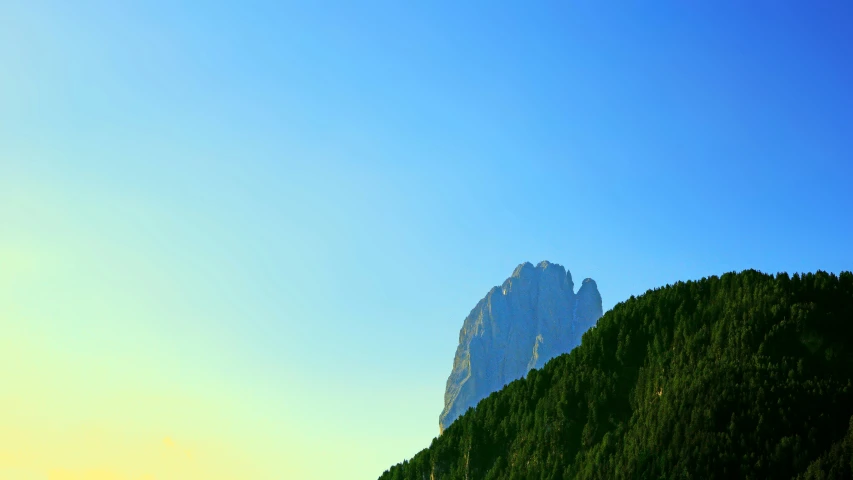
(742,376)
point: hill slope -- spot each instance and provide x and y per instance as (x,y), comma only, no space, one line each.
(746,375)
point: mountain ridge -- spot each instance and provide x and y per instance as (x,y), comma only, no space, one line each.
(746,375)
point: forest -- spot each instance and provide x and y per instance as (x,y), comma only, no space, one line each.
(745,375)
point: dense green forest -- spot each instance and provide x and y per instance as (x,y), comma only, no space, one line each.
(742,376)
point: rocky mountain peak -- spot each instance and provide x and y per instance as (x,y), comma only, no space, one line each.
(532,317)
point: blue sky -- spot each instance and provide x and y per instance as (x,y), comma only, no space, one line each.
(296,205)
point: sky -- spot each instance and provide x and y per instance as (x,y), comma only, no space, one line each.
(238,240)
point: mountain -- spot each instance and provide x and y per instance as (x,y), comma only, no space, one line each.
(533,317)
(741,376)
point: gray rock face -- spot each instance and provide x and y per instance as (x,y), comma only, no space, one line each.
(533,317)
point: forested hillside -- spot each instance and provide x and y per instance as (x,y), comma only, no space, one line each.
(746,375)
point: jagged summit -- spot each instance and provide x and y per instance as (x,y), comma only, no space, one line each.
(532,317)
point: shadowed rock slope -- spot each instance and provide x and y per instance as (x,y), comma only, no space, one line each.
(741,376)
(533,317)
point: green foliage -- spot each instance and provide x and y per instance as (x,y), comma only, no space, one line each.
(741,376)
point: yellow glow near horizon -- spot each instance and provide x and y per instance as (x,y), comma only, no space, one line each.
(119,361)
(92,390)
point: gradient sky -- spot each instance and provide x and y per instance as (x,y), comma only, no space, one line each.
(239,241)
